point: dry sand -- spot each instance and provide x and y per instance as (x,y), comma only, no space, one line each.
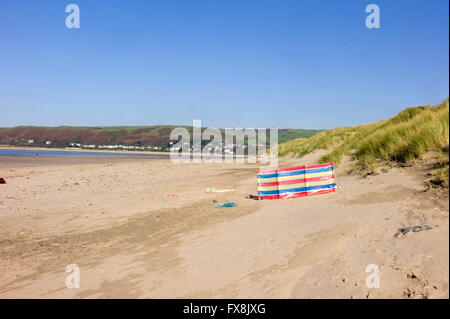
(146,228)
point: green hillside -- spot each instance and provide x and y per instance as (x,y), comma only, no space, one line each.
(157,135)
(285,135)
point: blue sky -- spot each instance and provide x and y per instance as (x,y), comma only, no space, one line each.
(248,63)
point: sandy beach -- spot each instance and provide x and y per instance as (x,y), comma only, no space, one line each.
(146,228)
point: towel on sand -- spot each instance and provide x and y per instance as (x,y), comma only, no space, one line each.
(227,204)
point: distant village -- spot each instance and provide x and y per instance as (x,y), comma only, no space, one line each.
(172,146)
(79,146)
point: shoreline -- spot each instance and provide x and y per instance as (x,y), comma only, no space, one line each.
(35,148)
(135,153)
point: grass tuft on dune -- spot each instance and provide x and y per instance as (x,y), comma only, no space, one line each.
(403,138)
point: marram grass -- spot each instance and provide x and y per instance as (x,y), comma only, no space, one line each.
(405,137)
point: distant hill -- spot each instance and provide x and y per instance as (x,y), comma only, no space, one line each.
(403,138)
(62,136)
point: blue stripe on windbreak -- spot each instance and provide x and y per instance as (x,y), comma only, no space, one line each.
(297,190)
(267,175)
(300,172)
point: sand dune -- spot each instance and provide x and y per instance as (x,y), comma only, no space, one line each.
(146,228)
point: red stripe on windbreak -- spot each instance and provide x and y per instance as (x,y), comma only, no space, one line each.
(298,181)
(270,196)
(299,194)
(304,167)
(323,191)
(293,195)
